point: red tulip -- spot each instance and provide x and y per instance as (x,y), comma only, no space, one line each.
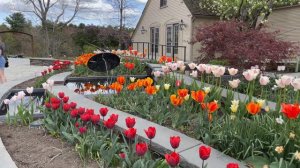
(204,152)
(65,99)
(89,111)
(48,105)
(175,141)
(172,159)
(232,165)
(95,119)
(85,117)
(54,100)
(110,123)
(61,95)
(141,148)
(122,155)
(74,113)
(76,124)
(114,117)
(66,107)
(291,111)
(150,132)
(73,105)
(103,111)
(130,122)
(130,133)
(82,130)
(81,110)
(55,106)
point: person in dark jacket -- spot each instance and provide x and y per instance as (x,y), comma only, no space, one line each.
(2,66)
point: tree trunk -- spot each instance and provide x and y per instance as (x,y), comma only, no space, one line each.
(121,24)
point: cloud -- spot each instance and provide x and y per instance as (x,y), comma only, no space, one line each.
(91,11)
(142,1)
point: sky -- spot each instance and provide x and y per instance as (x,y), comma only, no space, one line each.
(96,12)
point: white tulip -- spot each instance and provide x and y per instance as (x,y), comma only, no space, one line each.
(29,90)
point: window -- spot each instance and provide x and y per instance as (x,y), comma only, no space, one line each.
(154,39)
(163,3)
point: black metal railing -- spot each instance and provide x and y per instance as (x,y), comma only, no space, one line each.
(157,50)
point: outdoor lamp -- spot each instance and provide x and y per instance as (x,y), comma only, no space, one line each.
(182,25)
(143,30)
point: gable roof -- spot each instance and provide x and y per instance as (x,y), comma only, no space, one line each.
(192,5)
(141,18)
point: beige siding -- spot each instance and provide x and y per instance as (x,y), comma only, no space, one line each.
(197,23)
(287,21)
(154,16)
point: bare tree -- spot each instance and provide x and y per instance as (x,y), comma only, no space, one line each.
(43,8)
(122,6)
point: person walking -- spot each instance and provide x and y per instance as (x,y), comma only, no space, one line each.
(2,66)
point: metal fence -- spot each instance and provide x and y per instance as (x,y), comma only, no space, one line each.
(154,51)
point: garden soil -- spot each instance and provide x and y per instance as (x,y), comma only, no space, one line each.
(33,148)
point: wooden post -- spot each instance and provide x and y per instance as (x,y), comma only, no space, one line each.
(297,64)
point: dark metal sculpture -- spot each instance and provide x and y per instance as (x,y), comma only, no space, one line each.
(103,62)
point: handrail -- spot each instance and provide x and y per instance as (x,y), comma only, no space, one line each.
(157,47)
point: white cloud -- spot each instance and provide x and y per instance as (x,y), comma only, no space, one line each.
(142,1)
(91,11)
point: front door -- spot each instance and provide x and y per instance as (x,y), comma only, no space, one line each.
(172,39)
(154,39)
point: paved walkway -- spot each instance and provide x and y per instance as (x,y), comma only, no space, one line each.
(19,71)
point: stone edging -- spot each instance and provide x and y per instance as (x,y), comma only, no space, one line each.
(188,148)
(5,159)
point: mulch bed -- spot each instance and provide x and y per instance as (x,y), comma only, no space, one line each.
(33,148)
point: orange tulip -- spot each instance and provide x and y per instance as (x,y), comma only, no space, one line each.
(182,92)
(198,96)
(253,108)
(147,82)
(140,83)
(176,101)
(116,86)
(150,90)
(121,80)
(131,86)
(210,107)
(83,59)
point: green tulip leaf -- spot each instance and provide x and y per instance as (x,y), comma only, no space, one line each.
(257,161)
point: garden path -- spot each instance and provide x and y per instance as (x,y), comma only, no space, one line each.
(19,71)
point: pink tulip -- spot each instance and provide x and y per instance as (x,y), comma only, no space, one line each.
(296,84)
(249,75)
(208,69)
(218,71)
(192,66)
(174,67)
(284,81)
(264,80)
(180,63)
(201,67)
(232,71)
(165,69)
(194,74)
(157,73)
(234,83)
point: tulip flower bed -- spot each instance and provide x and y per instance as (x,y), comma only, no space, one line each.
(252,82)
(57,67)
(244,129)
(95,138)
